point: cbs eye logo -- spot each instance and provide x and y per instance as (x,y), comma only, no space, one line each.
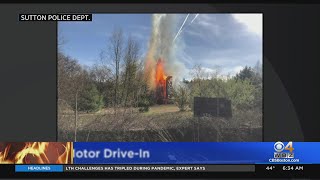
(279,147)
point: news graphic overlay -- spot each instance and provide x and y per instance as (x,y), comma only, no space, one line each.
(41,157)
(161,78)
(196,153)
(55,17)
(36,153)
(284,153)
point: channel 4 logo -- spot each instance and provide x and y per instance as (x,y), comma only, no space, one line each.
(283,151)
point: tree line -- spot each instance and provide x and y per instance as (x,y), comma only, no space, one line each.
(116,80)
(244,89)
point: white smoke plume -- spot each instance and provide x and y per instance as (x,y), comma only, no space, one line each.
(161,45)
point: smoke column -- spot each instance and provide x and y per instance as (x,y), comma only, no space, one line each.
(161,46)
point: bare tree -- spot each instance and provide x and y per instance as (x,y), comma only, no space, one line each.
(216,72)
(71,80)
(130,70)
(182,96)
(198,74)
(101,76)
(116,48)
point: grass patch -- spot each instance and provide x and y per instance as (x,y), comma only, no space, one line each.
(163,123)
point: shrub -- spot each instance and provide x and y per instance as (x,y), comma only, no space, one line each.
(182,97)
(90,99)
(241,93)
(143,105)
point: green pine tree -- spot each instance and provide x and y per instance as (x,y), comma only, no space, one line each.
(90,100)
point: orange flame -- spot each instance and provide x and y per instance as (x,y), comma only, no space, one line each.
(160,79)
(160,72)
(66,155)
(37,153)
(3,156)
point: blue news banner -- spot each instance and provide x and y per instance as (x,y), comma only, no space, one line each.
(197,153)
(187,153)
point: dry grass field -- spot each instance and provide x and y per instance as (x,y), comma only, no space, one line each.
(160,123)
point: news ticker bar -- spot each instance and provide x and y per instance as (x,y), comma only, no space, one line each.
(301,171)
(196,153)
(55,17)
(134,168)
(177,153)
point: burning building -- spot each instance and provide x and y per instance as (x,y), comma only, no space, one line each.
(160,59)
(163,91)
